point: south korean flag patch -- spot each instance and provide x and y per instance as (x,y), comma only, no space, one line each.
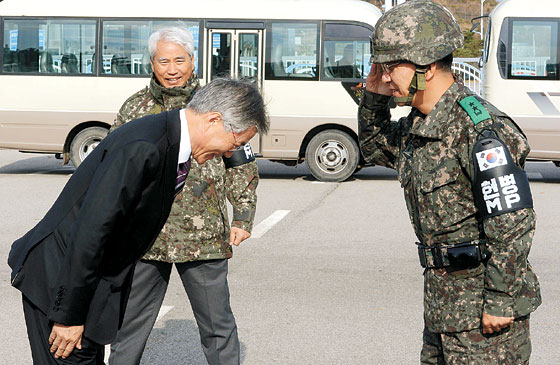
(499,185)
(491,158)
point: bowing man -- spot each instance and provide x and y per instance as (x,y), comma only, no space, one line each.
(74,268)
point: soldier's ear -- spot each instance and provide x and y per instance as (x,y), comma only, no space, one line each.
(430,71)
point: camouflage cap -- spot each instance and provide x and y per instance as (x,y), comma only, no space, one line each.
(419,31)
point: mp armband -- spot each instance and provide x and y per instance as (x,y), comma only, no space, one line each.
(240,156)
(499,185)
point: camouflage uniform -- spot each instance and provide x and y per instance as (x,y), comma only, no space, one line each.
(197,227)
(433,157)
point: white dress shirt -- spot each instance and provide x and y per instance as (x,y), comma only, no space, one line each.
(185,142)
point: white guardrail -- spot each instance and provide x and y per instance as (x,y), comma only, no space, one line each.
(469,73)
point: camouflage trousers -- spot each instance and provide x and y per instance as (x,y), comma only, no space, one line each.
(511,346)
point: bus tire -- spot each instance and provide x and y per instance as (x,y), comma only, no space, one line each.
(84,142)
(332,155)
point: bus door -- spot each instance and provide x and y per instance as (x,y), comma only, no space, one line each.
(236,53)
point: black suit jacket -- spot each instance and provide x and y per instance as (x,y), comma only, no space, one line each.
(76,264)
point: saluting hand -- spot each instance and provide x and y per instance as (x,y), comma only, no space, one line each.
(63,339)
(491,324)
(374,81)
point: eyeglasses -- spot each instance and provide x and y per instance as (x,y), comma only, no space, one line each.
(386,67)
(236,146)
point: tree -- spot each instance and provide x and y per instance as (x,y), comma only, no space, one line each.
(472,48)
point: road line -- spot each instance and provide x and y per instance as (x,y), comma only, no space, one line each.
(162,312)
(268,223)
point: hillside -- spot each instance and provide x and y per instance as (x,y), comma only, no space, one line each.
(463,10)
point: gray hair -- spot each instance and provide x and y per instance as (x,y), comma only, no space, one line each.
(239,102)
(180,35)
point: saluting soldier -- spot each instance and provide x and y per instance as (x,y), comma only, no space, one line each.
(460,163)
(197,237)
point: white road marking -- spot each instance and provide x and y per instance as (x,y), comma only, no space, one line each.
(268,223)
(162,312)
(318,182)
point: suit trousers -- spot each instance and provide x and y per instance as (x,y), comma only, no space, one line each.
(206,285)
(38,331)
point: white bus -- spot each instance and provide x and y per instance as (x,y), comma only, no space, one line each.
(67,67)
(521,70)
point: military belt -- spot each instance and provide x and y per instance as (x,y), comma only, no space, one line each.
(461,255)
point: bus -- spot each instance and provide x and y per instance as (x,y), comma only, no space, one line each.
(67,67)
(520,70)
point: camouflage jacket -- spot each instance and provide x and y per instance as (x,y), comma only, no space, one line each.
(433,157)
(198,226)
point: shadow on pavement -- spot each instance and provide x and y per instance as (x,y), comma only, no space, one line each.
(37,165)
(177,343)
(274,170)
(546,180)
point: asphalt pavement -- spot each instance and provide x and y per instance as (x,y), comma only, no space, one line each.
(332,278)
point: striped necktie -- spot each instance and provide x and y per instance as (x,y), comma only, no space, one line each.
(182,173)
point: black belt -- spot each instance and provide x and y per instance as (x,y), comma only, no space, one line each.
(461,255)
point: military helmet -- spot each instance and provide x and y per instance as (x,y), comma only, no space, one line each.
(420,31)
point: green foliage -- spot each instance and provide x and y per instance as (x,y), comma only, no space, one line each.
(472,48)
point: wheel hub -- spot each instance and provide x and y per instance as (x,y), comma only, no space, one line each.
(88,146)
(332,156)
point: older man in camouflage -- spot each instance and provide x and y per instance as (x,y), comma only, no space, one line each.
(196,237)
(459,161)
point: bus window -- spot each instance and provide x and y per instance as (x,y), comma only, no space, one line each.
(125,45)
(221,55)
(534,49)
(346,51)
(346,59)
(248,56)
(486,50)
(292,51)
(64,46)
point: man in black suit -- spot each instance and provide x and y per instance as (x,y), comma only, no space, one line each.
(75,266)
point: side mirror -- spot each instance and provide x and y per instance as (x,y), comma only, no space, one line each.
(474,27)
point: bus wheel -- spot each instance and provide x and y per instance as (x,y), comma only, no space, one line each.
(85,142)
(332,155)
